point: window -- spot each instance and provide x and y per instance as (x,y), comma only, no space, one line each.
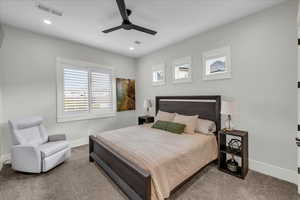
(158,75)
(217,64)
(182,70)
(76,90)
(84,91)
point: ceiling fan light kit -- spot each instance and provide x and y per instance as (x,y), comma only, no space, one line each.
(126,24)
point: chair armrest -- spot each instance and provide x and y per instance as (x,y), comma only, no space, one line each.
(58,137)
(26,158)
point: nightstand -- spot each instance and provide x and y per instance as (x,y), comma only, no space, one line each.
(239,154)
(145,119)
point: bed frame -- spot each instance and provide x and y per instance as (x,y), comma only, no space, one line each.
(134,181)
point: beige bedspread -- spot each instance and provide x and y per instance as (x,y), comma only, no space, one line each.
(170,158)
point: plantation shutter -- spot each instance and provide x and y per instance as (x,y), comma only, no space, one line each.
(101,91)
(76,90)
(84,91)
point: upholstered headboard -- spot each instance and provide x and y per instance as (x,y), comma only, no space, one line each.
(207,107)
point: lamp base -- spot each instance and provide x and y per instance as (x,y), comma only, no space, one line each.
(148,113)
(227,129)
(228,123)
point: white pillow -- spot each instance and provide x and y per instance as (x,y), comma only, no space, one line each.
(205,126)
(165,116)
(189,121)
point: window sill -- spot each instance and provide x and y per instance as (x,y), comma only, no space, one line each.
(189,80)
(84,117)
(226,75)
(159,83)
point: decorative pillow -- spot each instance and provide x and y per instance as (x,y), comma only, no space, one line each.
(160,125)
(189,121)
(165,116)
(205,126)
(169,126)
(175,127)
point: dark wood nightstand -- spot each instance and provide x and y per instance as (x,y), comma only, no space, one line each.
(240,154)
(145,119)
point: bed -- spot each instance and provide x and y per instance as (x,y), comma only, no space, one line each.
(150,164)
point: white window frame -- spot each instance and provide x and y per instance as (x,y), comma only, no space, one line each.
(159,67)
(182,61)
(217,53)
(76,64)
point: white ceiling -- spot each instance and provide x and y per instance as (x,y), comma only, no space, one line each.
(83,20)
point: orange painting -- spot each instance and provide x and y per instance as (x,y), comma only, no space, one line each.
(125,94)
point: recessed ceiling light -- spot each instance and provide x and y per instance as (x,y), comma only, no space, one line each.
(131,48)
(47,21)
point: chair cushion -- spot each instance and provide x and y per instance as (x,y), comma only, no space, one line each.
(29,122)
(51,148)
(54,160)
(29,136)
(28,131)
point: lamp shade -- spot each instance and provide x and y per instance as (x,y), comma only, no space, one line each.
(147,103)
(227,108)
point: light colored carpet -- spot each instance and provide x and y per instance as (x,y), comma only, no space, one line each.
(77,179)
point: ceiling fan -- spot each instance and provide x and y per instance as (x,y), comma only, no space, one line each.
(126,24)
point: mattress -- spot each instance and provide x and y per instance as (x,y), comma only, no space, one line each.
(170,158)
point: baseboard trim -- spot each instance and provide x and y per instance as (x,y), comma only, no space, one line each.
(274,171)
(79,142)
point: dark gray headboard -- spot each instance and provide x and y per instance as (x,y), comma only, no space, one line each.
(207,107)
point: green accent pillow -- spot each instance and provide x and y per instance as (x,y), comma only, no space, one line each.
(175,127)
(160,125)
(169,126)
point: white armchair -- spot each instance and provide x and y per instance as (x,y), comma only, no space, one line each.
(33,150)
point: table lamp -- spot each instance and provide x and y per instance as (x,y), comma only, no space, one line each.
(227,109)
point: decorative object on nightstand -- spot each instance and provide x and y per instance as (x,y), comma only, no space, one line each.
(227,109)
(235,145)
(147,105)
(237,148)
(146,119)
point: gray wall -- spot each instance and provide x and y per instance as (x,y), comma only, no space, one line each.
(1,35)
(1,107)
(28,71)
(263,82)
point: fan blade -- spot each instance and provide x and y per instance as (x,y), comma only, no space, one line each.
(112,29)
(122,9)
(145,30)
